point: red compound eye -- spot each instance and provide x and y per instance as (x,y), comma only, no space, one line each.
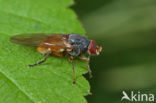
(92,47)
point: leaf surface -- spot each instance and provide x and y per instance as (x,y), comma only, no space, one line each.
(50,82)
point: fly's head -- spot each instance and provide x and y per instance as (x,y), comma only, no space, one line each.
(94,49)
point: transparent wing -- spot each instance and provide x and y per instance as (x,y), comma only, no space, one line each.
(29,39)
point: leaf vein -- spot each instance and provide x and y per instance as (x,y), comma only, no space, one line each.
(13,82)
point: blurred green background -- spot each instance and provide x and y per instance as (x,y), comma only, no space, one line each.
(127,31)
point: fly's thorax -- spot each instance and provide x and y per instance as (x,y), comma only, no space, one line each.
(79,43)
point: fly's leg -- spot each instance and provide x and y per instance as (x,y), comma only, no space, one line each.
(88,61)
(46,56)
(74,78)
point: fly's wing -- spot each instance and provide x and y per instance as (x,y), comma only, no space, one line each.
(56,43)
(29,39)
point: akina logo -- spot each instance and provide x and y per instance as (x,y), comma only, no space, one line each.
(137,96)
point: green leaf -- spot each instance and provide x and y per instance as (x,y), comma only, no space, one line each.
(50,82)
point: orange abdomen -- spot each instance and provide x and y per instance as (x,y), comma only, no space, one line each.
(54,44)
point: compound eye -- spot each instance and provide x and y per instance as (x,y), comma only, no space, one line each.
(94,44)
(92,47)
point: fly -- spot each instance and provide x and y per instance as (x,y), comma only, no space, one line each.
(73,45)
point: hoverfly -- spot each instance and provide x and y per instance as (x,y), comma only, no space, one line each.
(73,45)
